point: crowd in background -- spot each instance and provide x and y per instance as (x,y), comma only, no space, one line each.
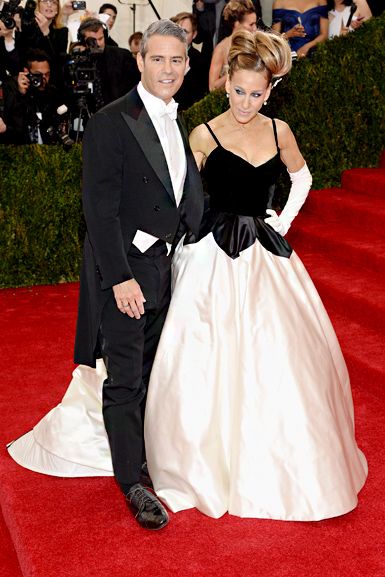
(51,84)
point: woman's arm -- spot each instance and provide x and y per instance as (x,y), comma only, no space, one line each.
(197,144)
(322,36)
(218,61)
(300,180)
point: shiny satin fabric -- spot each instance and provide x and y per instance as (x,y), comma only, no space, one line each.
(234,233)
(70,441)
(249,409)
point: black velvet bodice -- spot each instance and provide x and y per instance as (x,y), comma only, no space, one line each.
(236,186)
(239,195)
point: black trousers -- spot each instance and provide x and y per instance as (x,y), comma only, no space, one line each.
(128,348)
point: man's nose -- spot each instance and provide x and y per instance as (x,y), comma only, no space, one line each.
(167,66)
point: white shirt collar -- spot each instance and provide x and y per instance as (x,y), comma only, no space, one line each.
(155,106)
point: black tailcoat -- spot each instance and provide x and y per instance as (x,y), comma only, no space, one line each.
(126,187)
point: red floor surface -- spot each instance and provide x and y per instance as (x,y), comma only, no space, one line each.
(80,527)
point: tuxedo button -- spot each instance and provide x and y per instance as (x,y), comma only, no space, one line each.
(99,273)
(146,180)
(168,236)
(157,208)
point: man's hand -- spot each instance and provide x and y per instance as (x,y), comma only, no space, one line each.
(3,126)
(129,298)
(23,82)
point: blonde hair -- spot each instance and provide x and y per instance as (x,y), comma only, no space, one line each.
(236,10)
(265,52)
(57,20)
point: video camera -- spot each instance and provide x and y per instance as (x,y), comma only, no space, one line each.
(81,66)
(12,7)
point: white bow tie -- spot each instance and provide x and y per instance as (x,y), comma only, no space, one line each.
(170,109)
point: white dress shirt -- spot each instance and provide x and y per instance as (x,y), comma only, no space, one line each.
(163,118)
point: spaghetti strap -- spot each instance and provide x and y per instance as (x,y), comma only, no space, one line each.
(275,133)
(212,134)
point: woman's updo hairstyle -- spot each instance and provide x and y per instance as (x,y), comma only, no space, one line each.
(236,10)
(265,52)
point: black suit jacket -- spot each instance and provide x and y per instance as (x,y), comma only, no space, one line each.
(126,187)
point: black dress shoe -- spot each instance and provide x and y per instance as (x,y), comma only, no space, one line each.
(148,511)
(145,478)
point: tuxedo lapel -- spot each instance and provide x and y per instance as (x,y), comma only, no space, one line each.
(139,122)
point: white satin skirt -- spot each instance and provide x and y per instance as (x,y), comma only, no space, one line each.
(70,441)
(249,409)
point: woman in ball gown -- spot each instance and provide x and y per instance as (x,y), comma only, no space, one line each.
(249,408)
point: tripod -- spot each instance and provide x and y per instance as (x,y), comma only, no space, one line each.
(82,115)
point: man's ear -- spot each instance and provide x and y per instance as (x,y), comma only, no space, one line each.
(195,33)
(140,62)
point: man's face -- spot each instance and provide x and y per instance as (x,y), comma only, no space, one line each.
(99,37)
(163,67)
(134,46)
(112,17)
(44,69)
(188,28)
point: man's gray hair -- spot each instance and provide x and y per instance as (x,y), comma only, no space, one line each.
(163,27)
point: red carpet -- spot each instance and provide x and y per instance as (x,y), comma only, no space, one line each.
(80,527)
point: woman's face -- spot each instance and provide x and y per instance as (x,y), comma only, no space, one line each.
(49,8)
(247,92)
(248,22)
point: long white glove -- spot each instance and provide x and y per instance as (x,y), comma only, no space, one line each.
(300,186)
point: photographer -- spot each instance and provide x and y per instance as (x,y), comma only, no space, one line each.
(42,28)
(32,105)
(116,71)
(111,11)
(9,56)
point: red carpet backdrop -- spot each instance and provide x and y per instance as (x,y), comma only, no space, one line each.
(80,527)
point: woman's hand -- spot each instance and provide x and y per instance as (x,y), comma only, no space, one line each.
(67,9)
(43,23)
(303,51)
(298,31)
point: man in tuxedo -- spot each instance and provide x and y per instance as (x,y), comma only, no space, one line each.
(141,192)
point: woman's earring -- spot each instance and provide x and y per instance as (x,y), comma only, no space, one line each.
(227,95)
(265,102)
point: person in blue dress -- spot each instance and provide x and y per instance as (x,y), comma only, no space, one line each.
(304,23)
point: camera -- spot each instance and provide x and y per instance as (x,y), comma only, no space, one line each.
(80,67)
(28,14)
(79,5)
(35,78)
(8,12)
